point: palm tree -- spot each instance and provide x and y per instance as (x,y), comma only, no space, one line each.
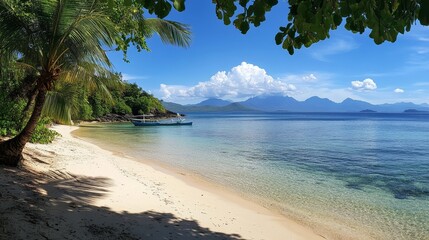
(135,29)
(60,43)
(54,39)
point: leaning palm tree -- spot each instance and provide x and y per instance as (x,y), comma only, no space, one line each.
(59,103)
(60,42)
(54,39)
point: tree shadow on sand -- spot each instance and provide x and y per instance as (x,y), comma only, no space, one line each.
(58,205)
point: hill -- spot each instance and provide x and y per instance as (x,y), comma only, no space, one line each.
(278,103)
(216,102)
(232,107)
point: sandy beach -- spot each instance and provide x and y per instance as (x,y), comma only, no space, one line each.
(72,189)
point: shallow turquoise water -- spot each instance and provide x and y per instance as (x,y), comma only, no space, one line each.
(346,174)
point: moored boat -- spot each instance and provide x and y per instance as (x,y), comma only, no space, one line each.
(144,121)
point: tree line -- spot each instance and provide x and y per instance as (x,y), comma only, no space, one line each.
(85,103)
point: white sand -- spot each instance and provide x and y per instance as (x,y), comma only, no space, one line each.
(85,192)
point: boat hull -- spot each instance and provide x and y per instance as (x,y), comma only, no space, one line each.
(152,124)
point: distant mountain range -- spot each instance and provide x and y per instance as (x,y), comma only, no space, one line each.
(214,102)
(289,104)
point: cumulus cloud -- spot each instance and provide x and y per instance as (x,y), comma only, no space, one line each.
(169,91)
(399,90)
(241,81)
(365,85)
(309,78)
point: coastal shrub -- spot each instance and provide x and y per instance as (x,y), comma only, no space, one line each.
(140,101)
(100,106)
(153,104)
(84,111)
(121,107)
(10,116)
(11,113)
(42,134)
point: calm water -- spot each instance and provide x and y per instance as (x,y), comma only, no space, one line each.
(344,174)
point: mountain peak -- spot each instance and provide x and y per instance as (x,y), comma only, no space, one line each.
(350,100)
(317,99)
(270,102)
(273,103)
(216,102)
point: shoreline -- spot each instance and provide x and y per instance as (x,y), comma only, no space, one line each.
(321,227)
(139,188)
(196,180)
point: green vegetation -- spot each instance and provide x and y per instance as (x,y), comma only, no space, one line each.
(13,113)
(10,116)
(134,28)
(66,44)
(123,98)
(11,104)
(141,102)
(53,54)
(42,134)
(126,99)
(309,21)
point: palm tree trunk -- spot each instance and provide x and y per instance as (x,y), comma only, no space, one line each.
(26,111)
(11,150)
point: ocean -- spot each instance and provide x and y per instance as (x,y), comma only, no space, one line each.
(343,174)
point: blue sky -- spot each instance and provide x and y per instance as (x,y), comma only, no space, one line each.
(221,62)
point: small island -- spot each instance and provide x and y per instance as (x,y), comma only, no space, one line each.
(368,111)
(415,111)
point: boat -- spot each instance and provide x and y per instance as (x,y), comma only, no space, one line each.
(144,121)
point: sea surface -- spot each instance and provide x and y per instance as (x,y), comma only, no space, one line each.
(357,175)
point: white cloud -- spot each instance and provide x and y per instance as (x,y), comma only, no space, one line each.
(309,78)
(399,90)
(419,32)
(365,85)
(306,78)
(241,81)
(169,91)
(421,84)
(423,39)
(422,50)
(332,48)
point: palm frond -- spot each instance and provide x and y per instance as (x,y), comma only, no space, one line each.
(84,32)
(92,77)
(170,32)
(16,30)
(58,104)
